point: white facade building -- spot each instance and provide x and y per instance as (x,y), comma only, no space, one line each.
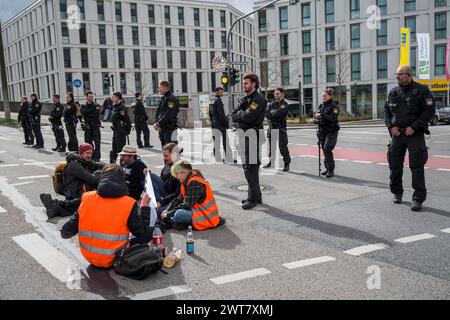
(351,54)
(134,44)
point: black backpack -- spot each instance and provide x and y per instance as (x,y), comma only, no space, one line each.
(138,261)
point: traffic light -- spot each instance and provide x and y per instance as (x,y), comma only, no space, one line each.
(235,77)
(106,81)
(224,79)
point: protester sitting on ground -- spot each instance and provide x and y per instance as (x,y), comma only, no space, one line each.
(79,177)
(106,217)
(196,204)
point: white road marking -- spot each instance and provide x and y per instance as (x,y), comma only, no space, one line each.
(53,260)
(160,293)
(2,151)
(337,159)
(441,169)
(437,156)
(22,183)
(9,165)
(149,155)
(308,262)
(31,162)
(6,139)
(2,210)
(446,230)
(241,276)
(366,249)
(360,161)
(33,177)
(383,164)
(418,237)
(40,163)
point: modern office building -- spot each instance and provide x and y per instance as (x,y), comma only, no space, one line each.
(122,45)
(352,54)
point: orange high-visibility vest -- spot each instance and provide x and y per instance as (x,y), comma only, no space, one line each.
(102,227)
(205,215)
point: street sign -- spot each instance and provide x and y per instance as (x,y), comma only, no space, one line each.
(219,64)
(77,83)
(239,63)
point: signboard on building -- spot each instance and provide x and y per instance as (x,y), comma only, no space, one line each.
(423,40)
(203,102)
(436,84)
(183,101)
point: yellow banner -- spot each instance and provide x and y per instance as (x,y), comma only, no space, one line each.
(436,84)
(405,49)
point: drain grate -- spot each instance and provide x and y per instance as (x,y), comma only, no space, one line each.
(244,187)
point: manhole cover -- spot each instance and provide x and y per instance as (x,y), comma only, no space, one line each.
(244,187)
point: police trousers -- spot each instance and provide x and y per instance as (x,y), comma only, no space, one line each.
(328,143)
(36,125)
(418,157)
(282,139)
(92,136)
(217,135)
(165,136)
(71,128)
(58,131)
(27,132)
(118,142)
(142,128)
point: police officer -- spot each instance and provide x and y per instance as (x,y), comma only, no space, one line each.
(327,120)
(219,124)
(91,117)
(140,123)
(24,119)
(35,113)
(166,119)
(408,111)
(71,120)
(121,126)
(57,127)
(277,116)
(249,117)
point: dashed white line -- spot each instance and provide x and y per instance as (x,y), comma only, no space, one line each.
(438,156)
(5,139)
(240,276)
(360,161)
(22,183)
(33,177)
(160,293)
(9,165)
(2,210)
(383,164)
(418,237)
(366,249)
(308,262)
(2,151)
(442,169)
(446,230)
(53,260)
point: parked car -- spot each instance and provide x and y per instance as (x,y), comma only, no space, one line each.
(442,114)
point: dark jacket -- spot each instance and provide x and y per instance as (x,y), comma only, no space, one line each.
(24,116)
(329,113)
(217,114)
(79,172)
(167,112)
(91,114)
(121,123)
(135,178)
(35,111)
(251,112)
(140,116)
(56,114)
(70,113)
(411,106)
(277,114)
(171,184)
(112,185)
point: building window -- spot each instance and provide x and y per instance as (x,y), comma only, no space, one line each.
(104,58)
(86,82)
(80,4)
(262,21)
(381,99)
(181,16)
(64,34)
(306,14)
(440,25)
(137,82)
(118,6)
(382,4)
(329,11)
(151,13)
(410,22)
(440,53)
(67,58)
(410,5)
(136,58)
(354,9)
(170,79)
(440,3)
(184,86)
(133,12)
(168,37)
(284,44)
(382,33)
(382,64)
(121,55)
(306,41)
(62,10)
(155,82)
(169,59)
(101,34)
(119,35)
(413,60)
(355,33)
(223,39)
(330,39)
(210,18)
(167,15)
(182,37)
(154,59)
(123,83)
(68,82)
(197,38)
(198,59)
(152,32)
(285,75)
(84,58)
(82,33)
(135,35)
(196,17)
(222,19)
(100,10)
(183,64)
(263,47)
(331,68)
(356,66)
(284,22)
(199,82)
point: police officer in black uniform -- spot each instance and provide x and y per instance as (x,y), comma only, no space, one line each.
(24,120)
(71,120)
(35,113)
(277,116)
(91,126)
(249,116)
(327,120)
(140,123)
(166,119)
(121,126)
(219,124)
(408,111)
(57,127)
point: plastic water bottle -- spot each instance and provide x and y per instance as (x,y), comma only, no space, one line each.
(157,239)
(190,241)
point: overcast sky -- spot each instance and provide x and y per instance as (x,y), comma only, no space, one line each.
(10,8)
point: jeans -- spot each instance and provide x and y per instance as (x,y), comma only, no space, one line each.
(158,186)
(182,216)
(106,115)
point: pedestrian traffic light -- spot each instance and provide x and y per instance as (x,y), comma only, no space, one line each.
(224,79)
(106,81)
(235,77)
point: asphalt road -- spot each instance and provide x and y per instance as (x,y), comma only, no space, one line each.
(313,238)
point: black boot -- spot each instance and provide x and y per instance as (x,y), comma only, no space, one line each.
(324,173)
(416,206)
(50,205)
(286,167)
(397,198)
(330,174)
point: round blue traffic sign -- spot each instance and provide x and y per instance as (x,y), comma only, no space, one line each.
(77,83)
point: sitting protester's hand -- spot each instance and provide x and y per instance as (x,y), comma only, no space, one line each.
(145,202)
(145,171)
(164,214)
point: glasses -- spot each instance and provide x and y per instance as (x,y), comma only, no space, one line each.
(401,74)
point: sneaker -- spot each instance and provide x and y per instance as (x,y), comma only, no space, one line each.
(416,206)
(397,198)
